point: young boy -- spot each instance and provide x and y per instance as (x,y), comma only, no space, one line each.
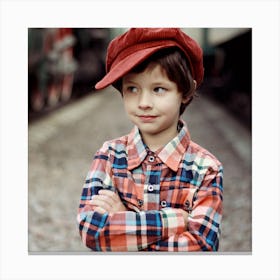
(153,189)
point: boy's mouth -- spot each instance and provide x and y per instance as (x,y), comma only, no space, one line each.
(147,118)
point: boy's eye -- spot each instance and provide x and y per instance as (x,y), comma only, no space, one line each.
(132,89)
(160,90)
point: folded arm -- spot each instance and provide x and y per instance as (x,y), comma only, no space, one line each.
(107,225)
(127,230)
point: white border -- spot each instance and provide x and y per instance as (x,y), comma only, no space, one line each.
(17,16)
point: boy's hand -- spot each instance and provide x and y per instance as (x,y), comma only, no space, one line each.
(107,201)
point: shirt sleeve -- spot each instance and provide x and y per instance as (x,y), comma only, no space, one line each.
(203,230)
(121,231)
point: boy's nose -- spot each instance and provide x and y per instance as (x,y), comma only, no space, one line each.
(145,100)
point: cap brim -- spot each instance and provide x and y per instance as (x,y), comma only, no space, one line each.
(125,65)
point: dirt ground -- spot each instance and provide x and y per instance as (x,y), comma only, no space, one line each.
(62,145)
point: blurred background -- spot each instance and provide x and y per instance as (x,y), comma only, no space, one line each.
(69,121)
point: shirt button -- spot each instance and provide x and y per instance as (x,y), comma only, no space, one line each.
(187,204)
(150,188)
(151,159)
(163,203)
(140,202)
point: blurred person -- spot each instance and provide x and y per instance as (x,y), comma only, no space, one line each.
(153,189)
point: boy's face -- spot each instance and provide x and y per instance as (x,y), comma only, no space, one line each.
(152,103)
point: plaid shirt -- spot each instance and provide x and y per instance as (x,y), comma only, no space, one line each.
(153,186)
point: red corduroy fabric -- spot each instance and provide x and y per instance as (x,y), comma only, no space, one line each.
(133,47)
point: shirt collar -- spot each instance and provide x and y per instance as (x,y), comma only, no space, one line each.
(171,154)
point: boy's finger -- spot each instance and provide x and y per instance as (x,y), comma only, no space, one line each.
(104,198)
(99,201)
(100,210)
(110,194)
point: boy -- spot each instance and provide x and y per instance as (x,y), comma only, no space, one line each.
(153,189)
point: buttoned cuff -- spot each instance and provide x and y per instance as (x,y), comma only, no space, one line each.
(172,221)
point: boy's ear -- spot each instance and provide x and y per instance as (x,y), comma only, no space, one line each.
(194,84)
(191,93)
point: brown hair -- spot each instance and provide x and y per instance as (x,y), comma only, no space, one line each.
(175,64)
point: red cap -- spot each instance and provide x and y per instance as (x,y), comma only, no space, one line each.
(133,47)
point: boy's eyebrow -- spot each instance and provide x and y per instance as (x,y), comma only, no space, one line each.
(129,81)
(156,83)
(162,83)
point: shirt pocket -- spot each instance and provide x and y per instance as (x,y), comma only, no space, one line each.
(178,197)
